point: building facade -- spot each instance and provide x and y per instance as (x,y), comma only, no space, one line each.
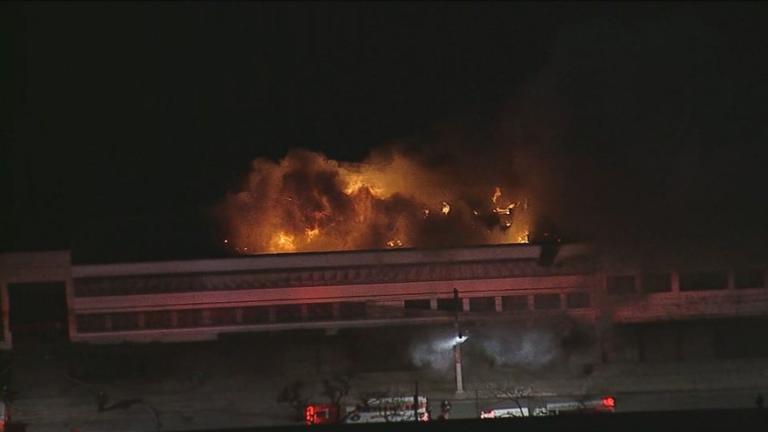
(203,299)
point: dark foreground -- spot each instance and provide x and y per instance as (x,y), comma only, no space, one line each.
(710,420)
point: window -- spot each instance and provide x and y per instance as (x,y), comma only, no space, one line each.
(90,323)
(449,304)
(703,281)
(157,319)
(319,311)
(288,313)
(577,300)
(256,315)
(189,318)
(482,304)
(352,310)
(417,304)
(125,321)
(657,282)
(223,316)
(749,278)
(618,285)
(546,301)
(514,303)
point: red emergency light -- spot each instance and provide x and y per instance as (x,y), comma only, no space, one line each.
(309,414)
(609,402)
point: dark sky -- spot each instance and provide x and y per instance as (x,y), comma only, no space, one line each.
(124,123)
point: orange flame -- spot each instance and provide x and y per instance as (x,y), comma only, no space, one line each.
(496,195)
(282,242)
(307,202)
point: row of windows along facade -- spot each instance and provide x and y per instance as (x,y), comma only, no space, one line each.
(317,312)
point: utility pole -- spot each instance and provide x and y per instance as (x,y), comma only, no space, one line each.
(457,344)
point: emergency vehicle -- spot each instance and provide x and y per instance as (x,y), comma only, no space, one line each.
(605,404)
(5,416)
(376,410)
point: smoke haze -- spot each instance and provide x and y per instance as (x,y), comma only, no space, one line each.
(518,345)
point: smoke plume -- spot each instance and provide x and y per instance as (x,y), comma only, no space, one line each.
(436,354)
(543,344)
(529,348)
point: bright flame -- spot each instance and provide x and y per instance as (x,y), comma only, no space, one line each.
(282,242)
(445,208)
(505,210)
(356,182)
(307,202)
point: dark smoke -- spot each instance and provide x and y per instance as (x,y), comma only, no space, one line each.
(635,133)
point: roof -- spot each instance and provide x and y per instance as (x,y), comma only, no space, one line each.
(324,260)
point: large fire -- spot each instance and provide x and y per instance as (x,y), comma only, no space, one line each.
(307,202)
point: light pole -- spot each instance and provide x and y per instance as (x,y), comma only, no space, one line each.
(457,360)
(457,343)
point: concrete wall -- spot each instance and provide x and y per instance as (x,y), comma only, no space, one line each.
(34,267)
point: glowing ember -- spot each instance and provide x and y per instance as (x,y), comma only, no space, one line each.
(307,202)
(505,210)
(445,208)
(311,233)
(496,195)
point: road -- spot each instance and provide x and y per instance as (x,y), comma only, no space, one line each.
(643,402)
(235,384)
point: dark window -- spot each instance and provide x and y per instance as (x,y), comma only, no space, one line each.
(417,304)
(125,321)
(319,311)
(256,315)
(482,304)
(514,303)
(288,313)
(621,285)
(449,304)
(352,310)
(546,301)
(657,282)
(91,323)
(703,281)
(157,319)
(577,300)
(189,318)
(749,278)
(223,316)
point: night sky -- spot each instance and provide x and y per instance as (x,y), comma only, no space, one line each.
(123,124)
